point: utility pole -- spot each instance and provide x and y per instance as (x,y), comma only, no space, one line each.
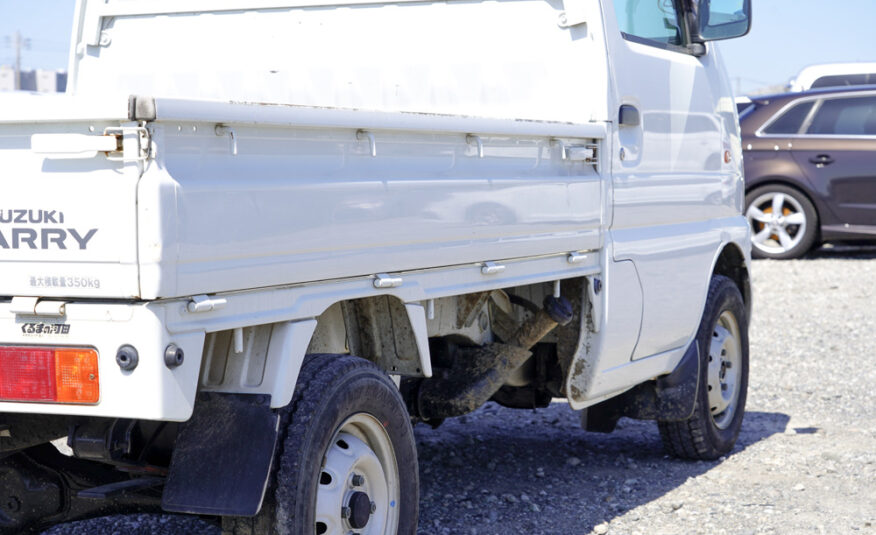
(18,43)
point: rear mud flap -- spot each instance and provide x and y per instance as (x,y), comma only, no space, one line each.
(222,458)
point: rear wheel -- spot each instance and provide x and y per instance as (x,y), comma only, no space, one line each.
(348,462)
(713,428)
(784,223)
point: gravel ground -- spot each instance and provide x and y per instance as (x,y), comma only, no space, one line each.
(805,461)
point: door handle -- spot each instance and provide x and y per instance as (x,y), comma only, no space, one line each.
(821,159)
(628,115)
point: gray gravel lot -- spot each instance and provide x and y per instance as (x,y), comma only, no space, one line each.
(805,461)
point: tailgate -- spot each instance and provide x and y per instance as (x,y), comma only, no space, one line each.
(68,220)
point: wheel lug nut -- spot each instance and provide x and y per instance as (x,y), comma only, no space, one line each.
(373,507)
(346,512)
(13,504)
(357,480)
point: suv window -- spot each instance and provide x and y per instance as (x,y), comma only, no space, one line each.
(845,79)
(790,121)
(649,21)
(846,117)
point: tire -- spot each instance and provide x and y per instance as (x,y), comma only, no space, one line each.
(346,419)
(713,428)
(789,235)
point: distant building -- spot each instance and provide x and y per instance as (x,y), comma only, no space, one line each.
(34,80)
(7,78)
(50,81)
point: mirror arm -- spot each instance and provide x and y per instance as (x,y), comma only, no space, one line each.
(696,44)
(697,49)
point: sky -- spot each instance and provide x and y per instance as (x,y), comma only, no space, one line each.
(786,36)
(46,23)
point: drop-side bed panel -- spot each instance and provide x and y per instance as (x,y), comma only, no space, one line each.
(257,204)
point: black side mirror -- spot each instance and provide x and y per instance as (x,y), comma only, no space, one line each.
(715,20)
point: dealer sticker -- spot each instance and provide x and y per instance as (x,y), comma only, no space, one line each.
(45,329)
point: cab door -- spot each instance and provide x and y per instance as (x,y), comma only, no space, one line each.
(676,165)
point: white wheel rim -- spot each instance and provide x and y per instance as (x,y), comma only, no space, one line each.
(725,359)
(778,222)
(360,460)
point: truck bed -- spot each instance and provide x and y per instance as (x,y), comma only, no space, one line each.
(235,196)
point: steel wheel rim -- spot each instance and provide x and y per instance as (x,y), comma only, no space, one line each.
(360,460)
(724,370)
(778,222)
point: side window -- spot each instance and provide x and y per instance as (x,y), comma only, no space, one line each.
(845,79)
(743,107)
(846,117)
(649,21)
(789,123)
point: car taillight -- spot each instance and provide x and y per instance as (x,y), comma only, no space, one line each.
(49,374)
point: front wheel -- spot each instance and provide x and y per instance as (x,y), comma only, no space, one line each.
(348,461)
(713,428)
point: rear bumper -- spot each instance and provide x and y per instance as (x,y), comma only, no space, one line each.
(150,391)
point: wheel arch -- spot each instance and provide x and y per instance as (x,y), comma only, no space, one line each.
(266,358)
(382,329)
(731,263)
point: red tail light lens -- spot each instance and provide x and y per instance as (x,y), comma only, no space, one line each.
(48,374)
(27,374)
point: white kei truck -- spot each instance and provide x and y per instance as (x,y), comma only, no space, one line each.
(257,240)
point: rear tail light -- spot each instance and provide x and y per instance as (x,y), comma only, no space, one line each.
(49,374)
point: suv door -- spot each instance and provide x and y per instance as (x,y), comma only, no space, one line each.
(838,155)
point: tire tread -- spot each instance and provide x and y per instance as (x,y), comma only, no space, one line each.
(689,439)
(317,375)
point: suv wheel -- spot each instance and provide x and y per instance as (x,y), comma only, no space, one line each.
(783,222)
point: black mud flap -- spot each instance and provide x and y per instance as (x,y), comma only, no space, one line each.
(676,393)
(668,398)
(222,458)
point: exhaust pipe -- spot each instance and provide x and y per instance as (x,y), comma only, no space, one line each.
(479,372)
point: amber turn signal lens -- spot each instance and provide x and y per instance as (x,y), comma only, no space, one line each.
(76,377)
